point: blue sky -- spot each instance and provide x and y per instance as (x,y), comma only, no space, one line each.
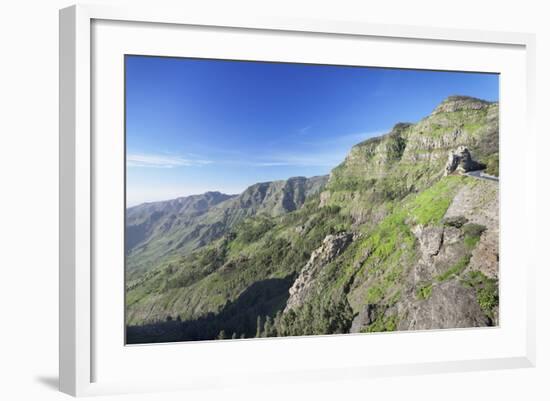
(210,125)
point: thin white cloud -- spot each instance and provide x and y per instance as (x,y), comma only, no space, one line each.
(322,152)
(287,160)
(268,164)
(325,152)
(161,161)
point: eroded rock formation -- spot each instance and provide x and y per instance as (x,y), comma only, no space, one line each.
(460,161)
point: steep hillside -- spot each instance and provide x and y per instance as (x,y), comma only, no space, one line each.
(411,156)
(398,239)
(158,230)
(157,218)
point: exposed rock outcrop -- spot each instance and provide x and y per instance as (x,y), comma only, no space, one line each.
(430,239)
(460,161)
(485,257)
(479,204)
(332,246)
(448,302)
(439,248)
(451,305)
(364,318)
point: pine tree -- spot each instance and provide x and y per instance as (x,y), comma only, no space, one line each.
(221,336)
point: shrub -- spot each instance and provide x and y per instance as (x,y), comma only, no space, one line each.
(472,234)
(382,323)
(455,269)
(425,291)
(456,222)
(493,165)
(486,290)
(473,230)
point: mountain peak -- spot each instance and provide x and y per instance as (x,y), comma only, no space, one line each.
(458,103)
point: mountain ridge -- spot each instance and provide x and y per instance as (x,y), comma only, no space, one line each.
(190,222)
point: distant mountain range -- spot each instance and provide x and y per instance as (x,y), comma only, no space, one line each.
(179,226)
(398,237)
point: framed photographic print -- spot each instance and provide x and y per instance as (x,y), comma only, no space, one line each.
(295,198)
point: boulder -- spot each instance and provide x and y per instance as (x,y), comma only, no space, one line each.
(460,161)
(430,239)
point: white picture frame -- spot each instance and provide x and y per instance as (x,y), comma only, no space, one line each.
(79,225)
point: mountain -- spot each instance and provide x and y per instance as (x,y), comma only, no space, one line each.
(176,227)
(402,236)
(146,220)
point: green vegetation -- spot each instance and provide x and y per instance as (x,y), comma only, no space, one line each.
(252,229)
(486,289)
(319,316)
(473,230)
(455,269)
(471,242)
(456,222)
(424,291)
(382,323)
(492,163)
(430,206)
(260,248)
(472,234)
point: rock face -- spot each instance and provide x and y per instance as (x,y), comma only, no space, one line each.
(460,161)
(364,318)
(439,247)
(479,204)
(332,246)
(430,240)
(451,305)
(276,197)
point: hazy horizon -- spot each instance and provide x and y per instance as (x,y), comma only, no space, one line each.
(194,126)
